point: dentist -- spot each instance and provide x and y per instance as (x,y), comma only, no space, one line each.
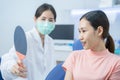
(38,61)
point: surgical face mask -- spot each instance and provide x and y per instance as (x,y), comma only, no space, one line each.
(45,27)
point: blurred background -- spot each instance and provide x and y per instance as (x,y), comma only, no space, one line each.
(21,12)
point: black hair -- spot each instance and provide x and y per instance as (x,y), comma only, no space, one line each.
(98,18)
(43,8)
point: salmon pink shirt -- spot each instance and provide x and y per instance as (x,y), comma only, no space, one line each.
(90,65)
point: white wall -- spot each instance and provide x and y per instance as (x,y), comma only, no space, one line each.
(21,12)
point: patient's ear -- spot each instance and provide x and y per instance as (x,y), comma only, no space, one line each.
(100,30)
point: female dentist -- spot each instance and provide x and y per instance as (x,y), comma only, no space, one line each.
(38,61)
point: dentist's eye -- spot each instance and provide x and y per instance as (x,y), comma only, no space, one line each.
(51,20)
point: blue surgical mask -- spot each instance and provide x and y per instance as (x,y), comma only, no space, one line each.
(45,27)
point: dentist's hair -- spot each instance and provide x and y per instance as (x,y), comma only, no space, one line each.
(43,8)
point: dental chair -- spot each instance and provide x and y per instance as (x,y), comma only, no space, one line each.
(57,73)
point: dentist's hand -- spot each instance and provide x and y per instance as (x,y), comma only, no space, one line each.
(19,69)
